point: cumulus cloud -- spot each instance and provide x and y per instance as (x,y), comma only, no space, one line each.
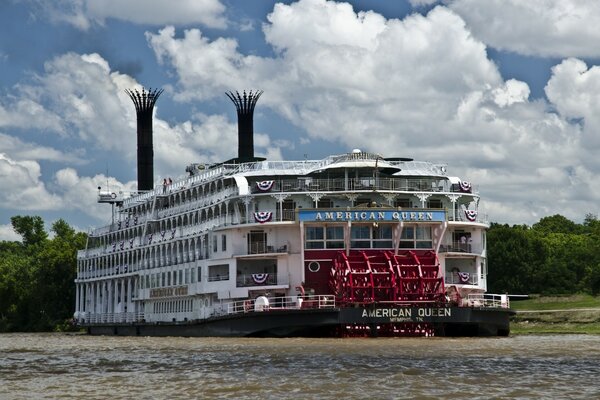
(81,192)
(574,90)
(555,28)
(422,86)
(7,233)
(22,186)
(84,13)
(21,150)
(340,75)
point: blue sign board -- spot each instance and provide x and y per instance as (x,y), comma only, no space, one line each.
(371,215)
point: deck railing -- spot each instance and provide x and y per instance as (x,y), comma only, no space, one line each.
(457,278)
(487,300)
(279,303)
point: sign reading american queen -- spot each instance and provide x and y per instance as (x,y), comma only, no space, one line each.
(371,215)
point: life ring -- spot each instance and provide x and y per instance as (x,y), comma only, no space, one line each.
(113,195)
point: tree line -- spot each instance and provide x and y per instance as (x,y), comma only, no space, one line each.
(37,289)
(553,256)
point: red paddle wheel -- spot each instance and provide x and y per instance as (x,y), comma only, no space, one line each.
(365,277)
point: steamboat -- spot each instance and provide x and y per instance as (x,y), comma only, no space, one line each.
(353,245)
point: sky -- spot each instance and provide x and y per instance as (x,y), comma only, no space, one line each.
(506,92)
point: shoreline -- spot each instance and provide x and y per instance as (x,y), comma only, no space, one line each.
(576,314)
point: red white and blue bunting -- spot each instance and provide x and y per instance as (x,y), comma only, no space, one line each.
(464,277)
(263,216)
(260,278)
(471,215)
(264,186)
(465,186)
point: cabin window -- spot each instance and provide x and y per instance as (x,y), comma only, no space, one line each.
(423,240)
(416,237)
(313,237)
(404,203)
(382,237)
(434,203)
(334,237)
(407,238)
(360,236)
(325,203)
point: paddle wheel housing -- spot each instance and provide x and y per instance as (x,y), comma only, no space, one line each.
(382,277)
(406,278)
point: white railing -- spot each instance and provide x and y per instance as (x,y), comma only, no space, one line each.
(111,318)
(487,300)
(279,303)
(454,278)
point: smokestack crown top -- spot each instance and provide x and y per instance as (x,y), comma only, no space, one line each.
(145,100)
(245,103)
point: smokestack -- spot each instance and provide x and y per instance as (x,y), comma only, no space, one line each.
(245,110)
(144,106)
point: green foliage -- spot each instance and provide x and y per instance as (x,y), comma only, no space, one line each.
(554,256)
(37,275)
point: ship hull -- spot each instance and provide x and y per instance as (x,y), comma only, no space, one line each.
(372,322)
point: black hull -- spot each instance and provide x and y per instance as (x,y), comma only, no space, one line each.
(445,321)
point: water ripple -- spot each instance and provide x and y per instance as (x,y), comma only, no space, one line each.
(50,366)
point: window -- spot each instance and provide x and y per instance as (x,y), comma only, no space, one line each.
(334,237)
(313,237)
(404,203)
(360,236)
(223,242)
(199,274)
(407,238)
(314,266)
(382,237)
(424,237)
(434,203)
(215,244)
(325,203)
(416,237)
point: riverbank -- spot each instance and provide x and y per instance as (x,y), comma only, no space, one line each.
(574,314)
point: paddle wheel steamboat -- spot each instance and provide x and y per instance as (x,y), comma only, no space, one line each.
(352,245)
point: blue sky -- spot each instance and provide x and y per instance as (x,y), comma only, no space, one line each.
(504,91)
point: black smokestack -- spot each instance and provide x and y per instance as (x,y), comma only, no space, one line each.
(245,110)
(144,106)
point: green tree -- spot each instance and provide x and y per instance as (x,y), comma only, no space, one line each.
(514,254)
(556,224)
(31,230)
(37,275)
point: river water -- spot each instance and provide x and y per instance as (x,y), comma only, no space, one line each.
(59,366)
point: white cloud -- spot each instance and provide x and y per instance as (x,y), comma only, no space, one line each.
(422,86)
(81,192)
(556,28)
(21,150)
(84,13)
(7,233)
(22,188)
(574,89)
